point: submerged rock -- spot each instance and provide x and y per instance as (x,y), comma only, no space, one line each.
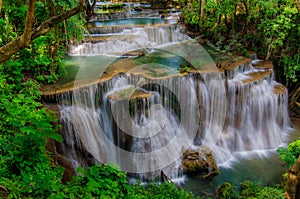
(199,161)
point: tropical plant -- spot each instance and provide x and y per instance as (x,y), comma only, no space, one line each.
(291,153)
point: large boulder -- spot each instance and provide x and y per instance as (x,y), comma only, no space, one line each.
(199,161)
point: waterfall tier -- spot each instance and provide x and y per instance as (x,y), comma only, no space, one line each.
(136,38)
(131,119)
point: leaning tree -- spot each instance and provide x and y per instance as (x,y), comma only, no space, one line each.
(31,32)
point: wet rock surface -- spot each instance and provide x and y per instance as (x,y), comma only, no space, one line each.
(199,161)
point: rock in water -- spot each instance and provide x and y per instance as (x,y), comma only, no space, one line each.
(199,161)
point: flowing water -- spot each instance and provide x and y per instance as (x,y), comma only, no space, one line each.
(132,21)
(264,168)
(138,110)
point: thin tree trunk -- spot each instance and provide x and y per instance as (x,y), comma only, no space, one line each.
(0,5)
(247,13)
(268,52)
(202,12)
(28,23)
(65,32)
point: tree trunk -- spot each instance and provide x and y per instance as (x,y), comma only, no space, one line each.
(247,13)
(298,5)
(294,97)
(0,5)
(24,40)
(28,23)
(30,34)
(293,182)
(202,12)
(268,52)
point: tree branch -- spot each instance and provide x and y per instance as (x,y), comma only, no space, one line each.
(50,23)
(26,38)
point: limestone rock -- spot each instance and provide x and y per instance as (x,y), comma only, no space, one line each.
(199,161)
(69,171)
(61,160)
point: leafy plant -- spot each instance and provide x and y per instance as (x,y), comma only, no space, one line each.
(291,153)
(184,69)
(104,181)
(226,191)
(249,190)
(253,190)
(25,167)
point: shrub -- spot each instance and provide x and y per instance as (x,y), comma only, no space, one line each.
(291,153)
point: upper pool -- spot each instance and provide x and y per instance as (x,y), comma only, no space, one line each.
(133,21)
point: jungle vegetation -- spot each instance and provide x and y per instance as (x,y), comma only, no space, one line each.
(33,39)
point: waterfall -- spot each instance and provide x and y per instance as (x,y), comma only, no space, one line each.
(142,122)
(136,38)
(149,118)
(113,127)
(109,30)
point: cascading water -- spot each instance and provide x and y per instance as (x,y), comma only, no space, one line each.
(142,122)
(252,118)
(136,38)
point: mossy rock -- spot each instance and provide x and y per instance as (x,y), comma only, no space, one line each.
(199,161)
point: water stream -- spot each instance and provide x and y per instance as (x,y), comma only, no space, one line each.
(263,168)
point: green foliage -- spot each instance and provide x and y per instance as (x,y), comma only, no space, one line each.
(41,61)
(104,181)
(249,190)
(107,181)
(76,27)
(6,32)
(191,12)
(291,153)
(291,66)
(25,167)
(271,28)
(184,69)
(224,48)
(226,191)
(166,190)
(253,190)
